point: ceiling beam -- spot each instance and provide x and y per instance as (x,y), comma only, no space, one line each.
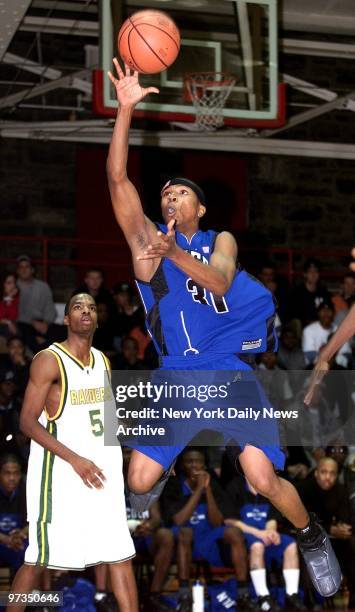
(25,64)
(100,131)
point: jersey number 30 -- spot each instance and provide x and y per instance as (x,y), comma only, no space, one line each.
(199,294)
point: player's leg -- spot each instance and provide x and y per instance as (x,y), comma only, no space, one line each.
(291,573)
(184,563)
(124,586)
(162,552)
(313,541)
(143,472)
(239,557)
(258,574)
(25,580)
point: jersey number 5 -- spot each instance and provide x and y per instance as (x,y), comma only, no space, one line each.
(97,427)
(199,294)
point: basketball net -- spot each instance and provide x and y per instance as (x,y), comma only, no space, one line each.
(208,92)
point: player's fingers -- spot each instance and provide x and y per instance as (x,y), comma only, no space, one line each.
(118,68)
(112,78)
(151,256)
(128,70)
(149,90)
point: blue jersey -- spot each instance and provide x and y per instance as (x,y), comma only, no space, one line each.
(186,319)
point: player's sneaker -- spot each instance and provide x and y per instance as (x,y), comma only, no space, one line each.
(142,501)
(320,560)
(268,604)
(293,603)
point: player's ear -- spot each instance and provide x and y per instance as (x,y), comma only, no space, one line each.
(201,211)
(66,320)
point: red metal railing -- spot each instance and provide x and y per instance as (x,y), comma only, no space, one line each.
(122,264)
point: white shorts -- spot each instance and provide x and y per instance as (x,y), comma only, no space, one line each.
(86,526)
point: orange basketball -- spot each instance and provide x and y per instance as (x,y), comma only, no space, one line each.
(149,41)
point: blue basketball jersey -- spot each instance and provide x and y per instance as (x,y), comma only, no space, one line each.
(185,319)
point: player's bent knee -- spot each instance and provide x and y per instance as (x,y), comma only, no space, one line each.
(266,485)
(257,548)
(140,482)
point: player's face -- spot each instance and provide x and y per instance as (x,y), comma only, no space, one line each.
(181,203)
(10,476)
(82,316)
(326,474)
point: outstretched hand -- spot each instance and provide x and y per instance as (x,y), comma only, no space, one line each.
(166,247)
(129,91)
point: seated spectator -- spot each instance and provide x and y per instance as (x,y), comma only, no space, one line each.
(315,335)
(128,360)
(194,503)
(94,285)
(323,494)
(128,314)
(306,298)
(339,452)
(274,380)
(17,362)
(345,298)
(9,306)
(257,519)
(290,357)
(36,309)
(152,540)
(13,526)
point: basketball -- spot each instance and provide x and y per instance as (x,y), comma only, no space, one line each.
(149,41)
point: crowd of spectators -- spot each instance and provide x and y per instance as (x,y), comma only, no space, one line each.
(208,513)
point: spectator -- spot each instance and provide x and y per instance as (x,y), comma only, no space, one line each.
(9,411)
(323,494)
(129,314)
(9,306)
(152,540)
(267,275)
(257,519)
(306,298)
(339,452)
(17,362)
(274,380)
(290,357)
(36,309)
(194,503)
(344,299)
(13,527)
(128,360)
(94,285)
(315,335)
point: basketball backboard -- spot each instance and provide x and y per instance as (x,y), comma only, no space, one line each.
(233,36)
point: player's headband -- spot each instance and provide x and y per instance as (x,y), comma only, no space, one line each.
(184,181)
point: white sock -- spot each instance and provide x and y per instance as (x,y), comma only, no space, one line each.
(292,579)
(258,577)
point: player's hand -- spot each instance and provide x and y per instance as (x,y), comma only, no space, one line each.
(265,536)
(144,529)
(90,474)
(320,369)
(128,90)
(166,247)
(16,538)
(202,478)
(341,531)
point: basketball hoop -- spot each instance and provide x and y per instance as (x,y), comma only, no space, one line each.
(208,92)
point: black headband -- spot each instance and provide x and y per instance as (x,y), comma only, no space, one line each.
(184,181)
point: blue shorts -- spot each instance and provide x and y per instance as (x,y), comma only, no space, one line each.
(273,552)
(244,394)
(206,544)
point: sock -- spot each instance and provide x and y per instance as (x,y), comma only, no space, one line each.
(258,577)
(310,533)
(100,595)
(243,588)
(292,579)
